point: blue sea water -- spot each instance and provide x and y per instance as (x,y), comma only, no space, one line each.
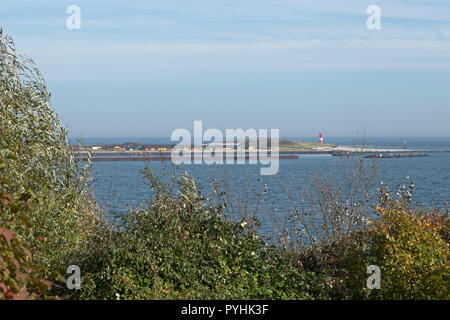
(119,185)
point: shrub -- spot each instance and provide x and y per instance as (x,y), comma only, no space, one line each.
(408,244)
(19,275)
(38,165)
(177,246)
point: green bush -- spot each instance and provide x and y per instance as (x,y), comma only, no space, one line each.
(408,244)
(15,266)
(38,166)
(20,277)
(177,247)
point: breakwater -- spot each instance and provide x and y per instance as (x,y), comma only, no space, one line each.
(163,158)
(397,155)
(370,154)
(283,154)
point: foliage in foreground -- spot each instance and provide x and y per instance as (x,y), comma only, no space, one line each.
(410,246)
(19,274)
(177,247)
(49,206)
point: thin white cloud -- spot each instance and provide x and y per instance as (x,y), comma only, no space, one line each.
(126,61)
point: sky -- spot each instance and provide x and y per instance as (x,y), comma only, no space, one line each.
(145,68)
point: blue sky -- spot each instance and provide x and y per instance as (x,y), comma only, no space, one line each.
(145,68)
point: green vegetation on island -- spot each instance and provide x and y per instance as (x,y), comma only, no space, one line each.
(290,145)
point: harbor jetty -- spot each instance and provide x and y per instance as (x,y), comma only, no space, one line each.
(168,158)
(387,155)
(372,153)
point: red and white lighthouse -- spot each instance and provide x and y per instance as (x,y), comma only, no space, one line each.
(320,138)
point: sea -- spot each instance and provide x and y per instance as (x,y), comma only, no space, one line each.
(121,186)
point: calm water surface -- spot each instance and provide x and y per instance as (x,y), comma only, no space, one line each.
(119,185)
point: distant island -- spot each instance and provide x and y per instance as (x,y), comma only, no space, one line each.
(285,145)
(287,148)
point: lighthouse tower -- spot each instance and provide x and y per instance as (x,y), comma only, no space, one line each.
(320,138)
